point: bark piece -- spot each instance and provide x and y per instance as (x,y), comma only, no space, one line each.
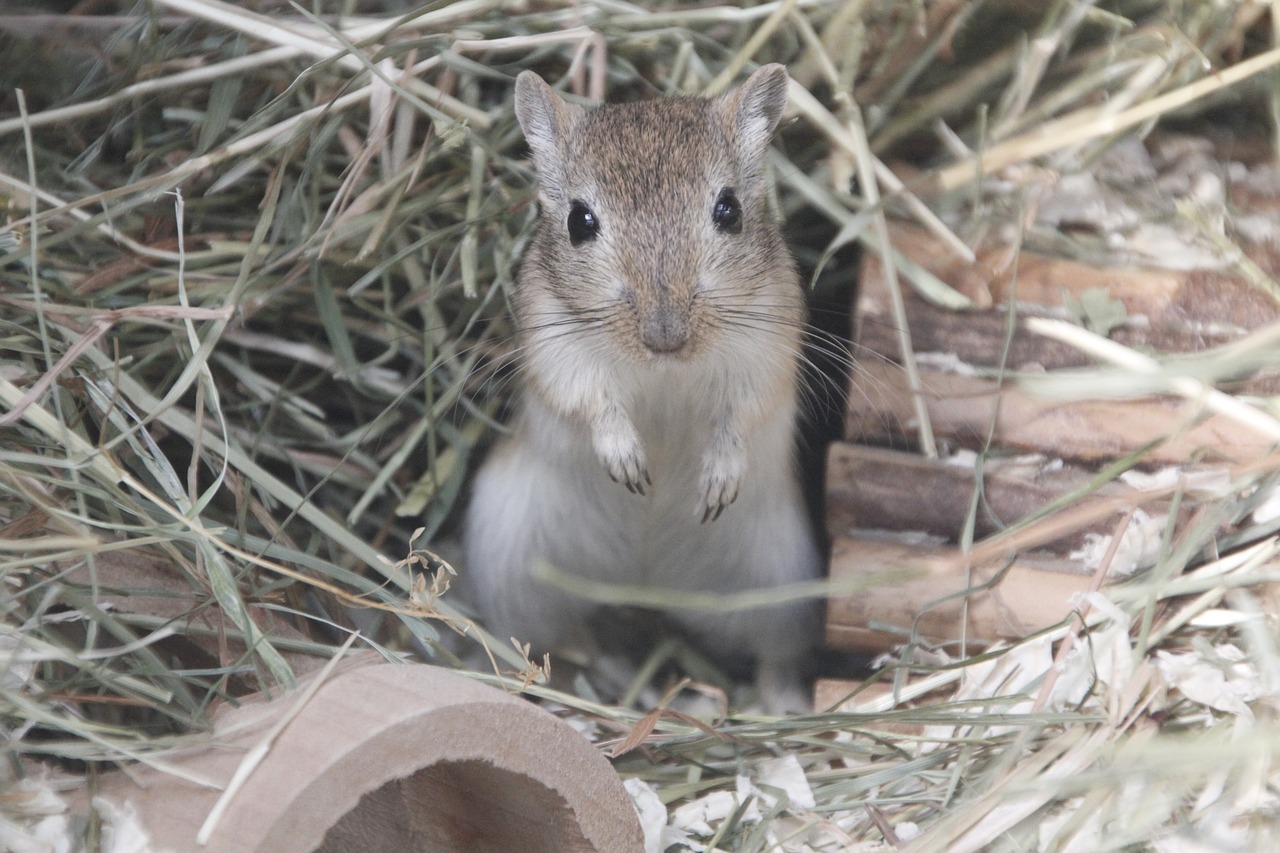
(929,602)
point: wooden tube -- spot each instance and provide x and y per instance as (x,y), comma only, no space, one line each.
(389,757)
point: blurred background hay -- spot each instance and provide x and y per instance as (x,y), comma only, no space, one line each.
(255,265)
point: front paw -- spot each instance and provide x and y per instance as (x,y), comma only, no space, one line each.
(722,472)
(628,468)
(617,446)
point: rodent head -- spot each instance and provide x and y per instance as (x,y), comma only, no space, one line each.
(655,233)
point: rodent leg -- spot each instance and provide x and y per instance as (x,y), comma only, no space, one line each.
(782,687)
(723,466)
(617,445)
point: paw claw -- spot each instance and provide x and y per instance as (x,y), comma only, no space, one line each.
(723,469)
(630,472)
(717,495)
(618,447)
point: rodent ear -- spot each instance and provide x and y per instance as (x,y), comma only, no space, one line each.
(755,108)
(546,121)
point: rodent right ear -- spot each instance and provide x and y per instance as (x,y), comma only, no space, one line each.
(546,121)
(754,109)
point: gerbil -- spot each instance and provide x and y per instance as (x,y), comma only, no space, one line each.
(660,319)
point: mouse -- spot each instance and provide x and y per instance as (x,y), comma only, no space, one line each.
(659,320)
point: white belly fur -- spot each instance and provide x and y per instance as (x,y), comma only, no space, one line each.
(542,495)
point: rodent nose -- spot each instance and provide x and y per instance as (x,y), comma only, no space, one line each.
(664,330)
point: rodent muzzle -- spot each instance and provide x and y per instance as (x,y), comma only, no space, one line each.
(664,330)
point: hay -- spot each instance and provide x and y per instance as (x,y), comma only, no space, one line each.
(253,280)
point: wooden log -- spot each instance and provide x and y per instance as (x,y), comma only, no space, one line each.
(1173,311)
(963,409)
(929,604)
(403,757)
(1001,275)
(875,488)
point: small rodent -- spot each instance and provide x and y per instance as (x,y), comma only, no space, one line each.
(660,318)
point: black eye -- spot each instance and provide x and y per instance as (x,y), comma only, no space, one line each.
(727,214)
(583,225)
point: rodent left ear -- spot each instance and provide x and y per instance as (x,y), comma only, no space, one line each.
(757,106)
(546,120)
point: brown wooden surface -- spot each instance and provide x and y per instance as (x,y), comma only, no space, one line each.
(963,408)
(874,488)
(403,757)
(1034,593)
(1166,311)
(1189,309)
(1171,311)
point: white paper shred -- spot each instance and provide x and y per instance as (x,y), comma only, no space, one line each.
(1226,684)
(786,774)
(698,817)
(1009,673)
(1202,482)
(1094,672)
(1139,546)
(34,819)
(650,810)
(121,831)
(48,835)
(1108,654)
